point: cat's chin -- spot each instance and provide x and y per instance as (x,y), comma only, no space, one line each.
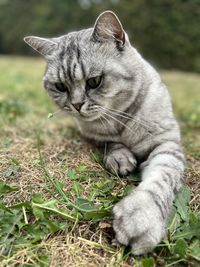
(86,118)
(81,117)
(89,118)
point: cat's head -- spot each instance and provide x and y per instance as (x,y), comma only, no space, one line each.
(89,71)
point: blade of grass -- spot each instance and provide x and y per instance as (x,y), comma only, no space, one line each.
(97,245)
(12,228)
(174,263)
(53,182)
(67,216)
(24,213)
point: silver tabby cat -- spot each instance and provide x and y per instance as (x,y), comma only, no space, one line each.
(119,100)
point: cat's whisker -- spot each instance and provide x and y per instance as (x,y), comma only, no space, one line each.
(59,111)
(125,113)
(98,108)
(126,116)
(111,113)
(102,122)
(109,123)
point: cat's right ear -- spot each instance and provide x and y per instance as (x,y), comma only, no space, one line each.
(108,26)
(44,46)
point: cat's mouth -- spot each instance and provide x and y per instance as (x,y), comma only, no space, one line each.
(81,115)
(88,117)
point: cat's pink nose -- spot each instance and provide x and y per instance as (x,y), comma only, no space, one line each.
(77,106)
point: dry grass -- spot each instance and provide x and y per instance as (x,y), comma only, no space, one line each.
(193,179)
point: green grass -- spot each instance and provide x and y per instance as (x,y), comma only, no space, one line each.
(55,195)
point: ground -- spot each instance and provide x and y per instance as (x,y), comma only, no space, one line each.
(56,197)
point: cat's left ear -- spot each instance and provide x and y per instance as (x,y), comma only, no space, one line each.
(44,46)
(108,26)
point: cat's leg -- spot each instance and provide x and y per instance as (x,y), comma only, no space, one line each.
(119,159)
(140,219)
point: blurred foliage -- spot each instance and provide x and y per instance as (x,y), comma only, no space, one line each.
(166,32)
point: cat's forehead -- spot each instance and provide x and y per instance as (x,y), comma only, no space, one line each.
(82,45)
(78,56)
(76,40)
(74,46)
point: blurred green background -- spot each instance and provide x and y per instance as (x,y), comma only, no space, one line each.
(166,32)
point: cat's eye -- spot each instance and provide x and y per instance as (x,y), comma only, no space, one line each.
(94,82)
(61,87)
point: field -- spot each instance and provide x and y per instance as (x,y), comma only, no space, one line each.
(55,195)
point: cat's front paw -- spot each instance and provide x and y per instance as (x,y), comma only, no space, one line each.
(120,161)
(138,222)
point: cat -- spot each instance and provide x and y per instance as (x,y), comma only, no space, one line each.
(118,99)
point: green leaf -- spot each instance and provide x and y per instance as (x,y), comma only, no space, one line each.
(174,221)
(38,212)
(148,262)
(78,188)
(189,230)
(44,261)
(3,207)
(182,202)
(85,204)
(180,248)
(104,187)
(5,188)
(72,175)
(12,170)
(50,206)
(8,172)
(36,162)
(81,168)
(38,198)
(96,156)
(15,161)
(136,177)
(97,214)
(128,189)
(25,204)
(8,225)
(194,250)
(54,226)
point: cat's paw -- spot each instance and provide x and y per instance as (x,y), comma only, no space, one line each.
(120,161)
(138,222)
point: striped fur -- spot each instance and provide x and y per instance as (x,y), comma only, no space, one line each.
(130,112)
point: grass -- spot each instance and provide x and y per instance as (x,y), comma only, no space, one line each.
(56,197)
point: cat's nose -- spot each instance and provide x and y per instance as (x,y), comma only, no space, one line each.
(77,106)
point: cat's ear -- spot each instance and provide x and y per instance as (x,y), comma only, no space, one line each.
(108,26)
(44,46)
